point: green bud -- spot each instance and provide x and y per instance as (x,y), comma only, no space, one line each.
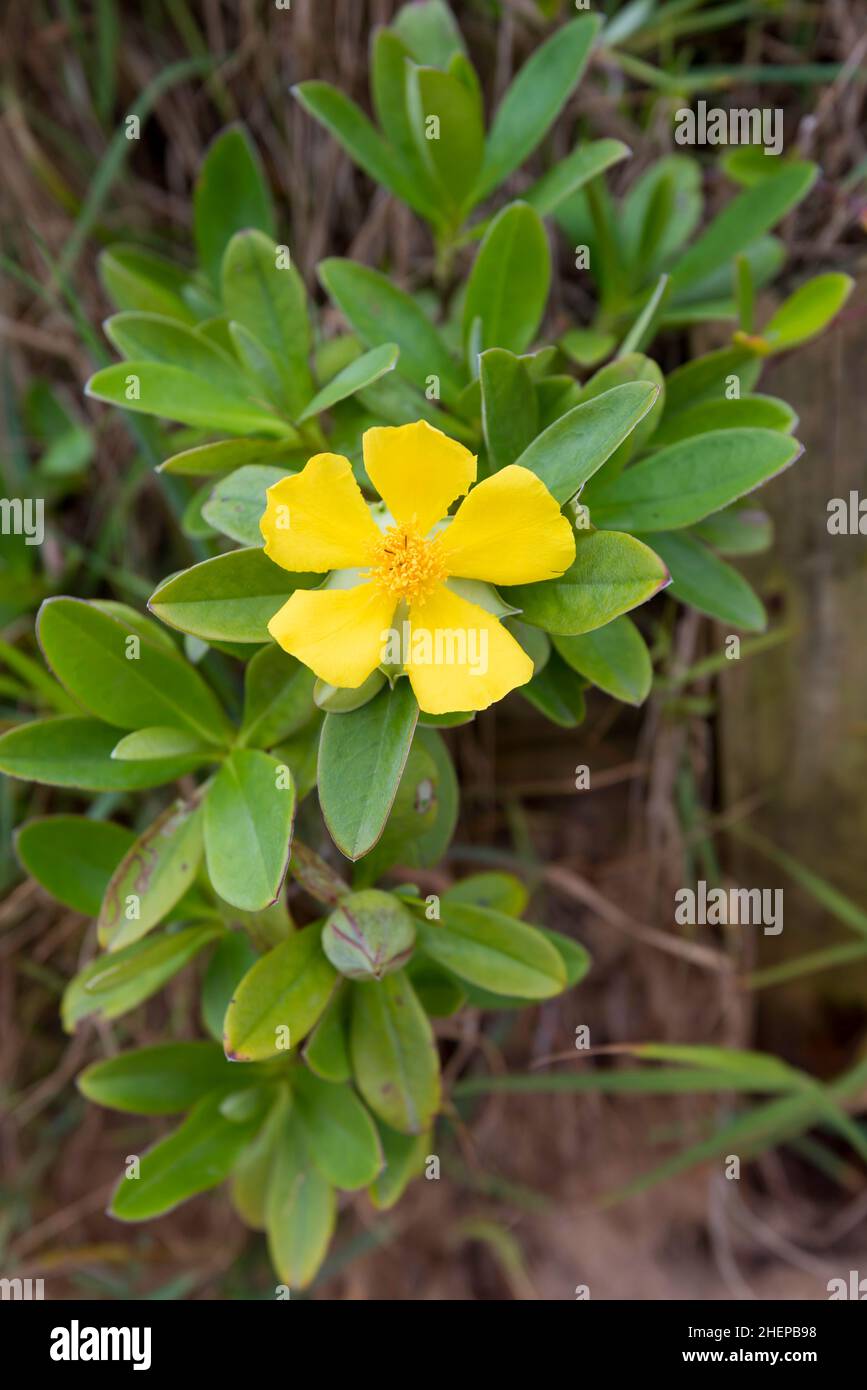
(370,934)
(335,699)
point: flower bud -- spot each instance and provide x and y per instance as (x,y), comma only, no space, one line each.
(370,934)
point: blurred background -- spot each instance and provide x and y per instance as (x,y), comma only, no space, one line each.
(750,772)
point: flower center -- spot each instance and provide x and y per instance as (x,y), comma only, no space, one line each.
(406,565)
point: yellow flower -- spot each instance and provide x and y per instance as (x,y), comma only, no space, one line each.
(394,593)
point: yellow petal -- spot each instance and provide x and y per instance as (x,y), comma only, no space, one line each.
(508,531)
(458,657)
(317,519)
(417,471)
(339,633)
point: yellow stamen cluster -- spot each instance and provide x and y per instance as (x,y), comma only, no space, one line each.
(406,565)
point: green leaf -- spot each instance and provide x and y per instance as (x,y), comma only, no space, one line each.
(737,530)
(509,282)
(389,72)
(405,1156)
(510,411)
(154,338)
(230,195)
(381,313)
(394,1056)
(278,697)
(574,956)
(707,379)
(153,875)
(570,451)
(341,1136)
(300,1207)
(361,758)
(143,281)
(535,99)
(286,989)
(747,217)
(326,1051)
(159,741)
(251,1175)
(249,812)
(430,32)
(237,503)
(686,482)
(231,598)
(496,952)
(453,157)
(174,393)
(808,311)
(229,963)
(72,857)
(70,752)
(361,372)
(270,302)
(362,142)
(747,412)
(159,1080)
(557,692)
(707,583)
(195,1157)
(583,164)
(128,682)
(227,454)
(614,657)
(112,985)
(611,573)
(498,891)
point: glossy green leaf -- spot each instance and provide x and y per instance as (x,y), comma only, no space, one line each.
(446,123)
(342,1138)
(389,72)
(570,451)
(160,1080)
(557,692)
(228,454)
(509,282)
(70,752)
(229,963)
(430,32)
(708,378)
(287,989)
(381,313)
(326,1051)
(155,338)
(237,503)
(175,393)
(611,573)
(231,598)
(195,1157)
(249,812)
(128,682)
(361,372)
(808,311)
(584,163)
(746,412)
(153,875)
(707,583)
(747,217)
(737,530)
(112,985)
(251,1175)
(687,481)
(300,1207)
(510,411)
(159,741)
(498,891)
(613,657)
(489,949)
(144,281)
(361,758)
(231,195)
(72,857)
(535,99)
(278,697)
(394,1056)
(405,1156)
(268,299)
